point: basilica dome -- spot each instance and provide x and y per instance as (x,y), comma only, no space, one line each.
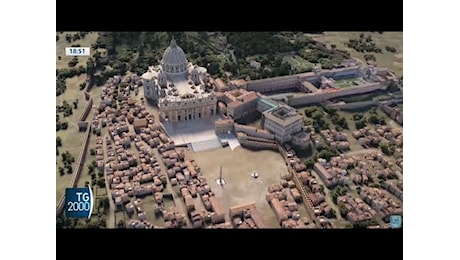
(174,60)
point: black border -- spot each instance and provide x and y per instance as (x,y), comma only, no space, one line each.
(311,16)
(308,17)
(205,243)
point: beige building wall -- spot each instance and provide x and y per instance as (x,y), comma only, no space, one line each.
(188,109)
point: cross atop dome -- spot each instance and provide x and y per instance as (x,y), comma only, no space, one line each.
(173,42)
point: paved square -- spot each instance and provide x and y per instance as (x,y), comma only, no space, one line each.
(198,133)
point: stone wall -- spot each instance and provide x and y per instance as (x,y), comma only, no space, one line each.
(81,158)
(313,98)
(77,172)
(87,109)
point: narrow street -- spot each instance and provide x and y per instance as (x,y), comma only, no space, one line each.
(327,196)
(180,205)
(111,210)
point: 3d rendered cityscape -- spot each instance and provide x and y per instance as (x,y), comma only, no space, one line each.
(231,129)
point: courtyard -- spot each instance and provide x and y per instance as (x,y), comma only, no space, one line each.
(240,187)
(349,82)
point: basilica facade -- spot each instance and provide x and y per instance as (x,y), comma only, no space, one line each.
(180,89)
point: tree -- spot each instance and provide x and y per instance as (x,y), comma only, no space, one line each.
(76,36)
(337,192)
(73,62)
(332,111)
(82,85)
(92,152)
(61,171)
(64,125)
(101,220)
(333,46)
(343,210)
(68,37)
(309,163)
(86,183)
(60,87)
(357,117)
(327,153)
(91,168)
(333,213)
(374,118)
(58,141)
(65,156)
(358,189)
(121,224)
(393,87)
(369,38)
(104,203)
(361,123)
(364,224)
(101,182)
(93,224)
(368,57)
(385,147)
(317,115)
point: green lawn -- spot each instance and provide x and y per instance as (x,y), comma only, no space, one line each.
(393,61)
(345,83)
(298,62)
(222,58)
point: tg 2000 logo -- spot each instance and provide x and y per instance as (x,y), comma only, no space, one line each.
(78,202)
